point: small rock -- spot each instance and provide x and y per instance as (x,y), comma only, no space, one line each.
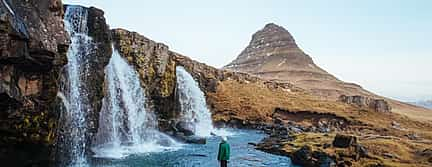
(361,150)
(412,136)
(252,144)
(195,140)
(390,155)
(295,130)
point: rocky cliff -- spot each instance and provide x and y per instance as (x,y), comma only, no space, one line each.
(33,46)
(156,68)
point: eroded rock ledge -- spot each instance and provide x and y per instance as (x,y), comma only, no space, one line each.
(379,105)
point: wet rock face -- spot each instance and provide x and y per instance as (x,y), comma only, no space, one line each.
(101,36)
(378,105)
(33,47)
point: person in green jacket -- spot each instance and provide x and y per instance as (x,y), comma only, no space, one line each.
(224,152)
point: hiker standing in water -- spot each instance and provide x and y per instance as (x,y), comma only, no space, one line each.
(224,152)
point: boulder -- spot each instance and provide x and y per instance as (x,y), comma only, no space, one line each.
(195,140)
(306,157)
(191,139)
(344,141)
(187,128)
(303,156)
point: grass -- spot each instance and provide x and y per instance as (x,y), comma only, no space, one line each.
(255,102)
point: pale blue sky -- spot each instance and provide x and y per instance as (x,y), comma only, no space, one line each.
(382,45)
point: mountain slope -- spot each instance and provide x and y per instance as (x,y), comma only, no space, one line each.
(274,55)
(426,104)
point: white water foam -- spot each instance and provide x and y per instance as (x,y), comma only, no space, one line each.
(127,126)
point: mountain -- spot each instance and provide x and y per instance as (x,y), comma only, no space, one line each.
(273,54)
(426,104)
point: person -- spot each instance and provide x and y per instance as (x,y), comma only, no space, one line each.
(224,152)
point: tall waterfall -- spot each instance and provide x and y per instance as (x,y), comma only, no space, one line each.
(193,103)
(74,89)
(127,126)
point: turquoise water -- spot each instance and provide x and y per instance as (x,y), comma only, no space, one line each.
(193,155)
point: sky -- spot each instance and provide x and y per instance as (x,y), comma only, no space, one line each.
(384,45)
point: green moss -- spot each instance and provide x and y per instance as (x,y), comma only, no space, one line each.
(168,80)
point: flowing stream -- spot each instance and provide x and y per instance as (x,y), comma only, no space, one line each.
(127,125)
(195,155)
(74,89)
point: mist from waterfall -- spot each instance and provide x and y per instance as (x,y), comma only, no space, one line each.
(127,125)
(73,90)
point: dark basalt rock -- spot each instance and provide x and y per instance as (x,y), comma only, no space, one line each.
(378,105)
(306,157)
(344,141)
(33,47)
(192,139)
(185,127)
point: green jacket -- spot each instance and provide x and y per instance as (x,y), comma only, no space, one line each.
(224,151)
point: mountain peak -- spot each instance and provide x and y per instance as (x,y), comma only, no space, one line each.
(273,34)
(273,53)
(272,25)
(272,41)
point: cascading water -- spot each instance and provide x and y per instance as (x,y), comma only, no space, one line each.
(193,104)
(8,7)
(126,124)
(73,89)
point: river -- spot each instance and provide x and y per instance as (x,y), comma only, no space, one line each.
(195,155)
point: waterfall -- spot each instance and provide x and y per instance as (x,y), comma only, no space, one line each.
(8,7)
(193,103)
(73,89)
(127,126)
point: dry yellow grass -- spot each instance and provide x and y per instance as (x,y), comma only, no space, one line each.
(255,102)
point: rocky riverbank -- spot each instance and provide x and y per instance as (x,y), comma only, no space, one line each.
(330,145)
